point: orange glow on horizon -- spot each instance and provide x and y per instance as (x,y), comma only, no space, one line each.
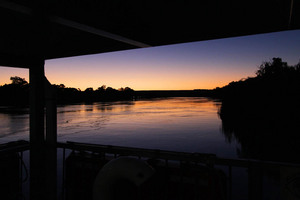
(183,80)
(145,83)
(188,66)
(144,78)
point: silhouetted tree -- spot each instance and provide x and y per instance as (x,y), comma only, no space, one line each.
(262,112)
(67,95)
(61,86)
(16,93)
(102,88)
(271,68)
(110,90)
(89,90)
(128,89)
(16,80)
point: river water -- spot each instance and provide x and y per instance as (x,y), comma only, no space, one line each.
(179,124)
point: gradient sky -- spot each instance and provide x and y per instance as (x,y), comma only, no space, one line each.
(196,65)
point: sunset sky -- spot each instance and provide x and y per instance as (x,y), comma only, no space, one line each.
(197,65)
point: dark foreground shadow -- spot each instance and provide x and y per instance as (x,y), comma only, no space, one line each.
(263,113)
(267,129)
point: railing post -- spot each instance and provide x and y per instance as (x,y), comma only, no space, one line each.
(230,181)
(255,182)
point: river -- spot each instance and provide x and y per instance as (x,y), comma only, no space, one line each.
(179,124)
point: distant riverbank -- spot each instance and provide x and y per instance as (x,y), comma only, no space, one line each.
(173,93)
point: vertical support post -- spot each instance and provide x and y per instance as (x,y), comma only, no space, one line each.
(43,149)
(36,76)
(37,138)
(51,140)
(51,113)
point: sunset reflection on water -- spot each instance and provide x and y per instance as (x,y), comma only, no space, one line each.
(179,124)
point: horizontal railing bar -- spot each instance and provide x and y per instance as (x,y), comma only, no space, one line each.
(17,146)
(151,153)
(210,159)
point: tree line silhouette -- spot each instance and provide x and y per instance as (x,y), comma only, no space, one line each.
(103,93)
(263,113)
(274,78)
(17,93)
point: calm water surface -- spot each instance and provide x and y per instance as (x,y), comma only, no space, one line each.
(178,124)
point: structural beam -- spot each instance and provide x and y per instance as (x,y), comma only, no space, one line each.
(9,60)
(72,24)
(96,31)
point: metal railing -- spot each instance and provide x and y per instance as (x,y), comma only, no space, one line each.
(191,174)
(255,172)
(14,173)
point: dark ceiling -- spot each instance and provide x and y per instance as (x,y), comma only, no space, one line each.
(61,28)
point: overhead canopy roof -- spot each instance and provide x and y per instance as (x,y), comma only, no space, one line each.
(54,28)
